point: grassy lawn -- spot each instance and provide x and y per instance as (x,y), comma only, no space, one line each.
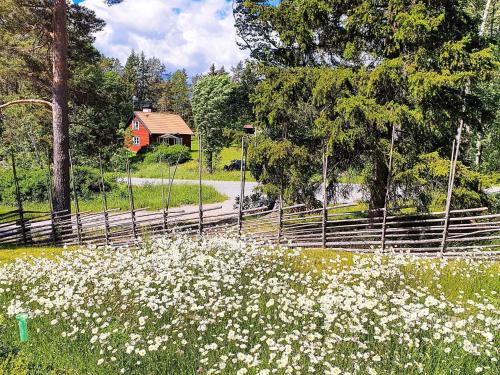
(189,170)
(11,253)
(220,306)
(146,196)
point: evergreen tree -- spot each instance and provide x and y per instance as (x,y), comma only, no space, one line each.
(131,74)
(212,96)
(47,24)
(245,76)
(174,95)
(348,71)
(145,77)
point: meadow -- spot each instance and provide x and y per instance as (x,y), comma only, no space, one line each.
(189,169)
(229,306)
(149,196)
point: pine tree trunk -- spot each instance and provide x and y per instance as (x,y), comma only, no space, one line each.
(60,120)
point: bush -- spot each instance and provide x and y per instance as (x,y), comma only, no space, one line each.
(426,184)
(88,182)
(118,161)
(144,151)
(170,154)
(33,184)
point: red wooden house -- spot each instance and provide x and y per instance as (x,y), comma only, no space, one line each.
(158,127)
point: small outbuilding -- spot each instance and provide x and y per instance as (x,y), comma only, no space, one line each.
(249,129)
(158,128)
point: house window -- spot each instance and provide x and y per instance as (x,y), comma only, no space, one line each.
(136,141)
(135,125)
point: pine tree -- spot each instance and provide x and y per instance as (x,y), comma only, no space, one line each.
(54,33)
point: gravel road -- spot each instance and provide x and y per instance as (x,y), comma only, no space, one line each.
(232,189)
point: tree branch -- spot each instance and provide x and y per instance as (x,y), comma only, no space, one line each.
(26,101)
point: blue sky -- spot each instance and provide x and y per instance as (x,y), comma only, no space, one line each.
(190,34)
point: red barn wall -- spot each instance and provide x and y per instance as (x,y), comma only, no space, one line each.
(142,133)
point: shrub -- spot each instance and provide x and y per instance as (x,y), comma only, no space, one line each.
(118,161)
(88,182)
(170,154)
(33,184)
(144,151)
(426,184)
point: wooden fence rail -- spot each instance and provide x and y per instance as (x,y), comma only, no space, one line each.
(363,230)
(106,228)
(295,226)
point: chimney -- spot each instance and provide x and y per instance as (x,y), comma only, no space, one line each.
(146,106)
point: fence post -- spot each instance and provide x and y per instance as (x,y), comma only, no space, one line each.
(451,180)
(169,194)
(51,203)
(77,205)
(131,201)
(163,203)
(242,182)
(280,218)
(200,192)
(104,203)
(19,201)
(325,197)
(389,176)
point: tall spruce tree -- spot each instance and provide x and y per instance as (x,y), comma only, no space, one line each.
(131,73)
(348,71)
(144,76)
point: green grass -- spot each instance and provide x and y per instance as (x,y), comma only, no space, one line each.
(452,281)
(189,170)
(201,283)
(149,196)
(11,253)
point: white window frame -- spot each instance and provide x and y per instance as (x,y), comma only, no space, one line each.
(135,125)
(136,141)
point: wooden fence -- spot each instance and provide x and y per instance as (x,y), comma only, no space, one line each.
(337,227)
(111,227)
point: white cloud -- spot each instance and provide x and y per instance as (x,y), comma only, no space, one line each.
(186,34)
